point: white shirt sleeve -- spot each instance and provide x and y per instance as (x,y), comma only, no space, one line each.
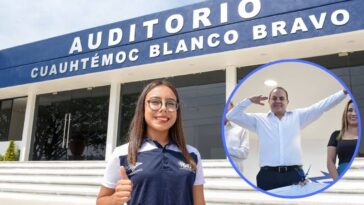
(309,114)
(199,180)
(244,144)
(112,171)
(239,117)
(241,149)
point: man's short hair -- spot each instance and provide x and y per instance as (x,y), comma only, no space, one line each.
(278,88)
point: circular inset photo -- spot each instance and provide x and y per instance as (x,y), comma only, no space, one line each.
(290,128)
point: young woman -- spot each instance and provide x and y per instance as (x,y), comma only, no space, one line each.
(342,142)
(156,166)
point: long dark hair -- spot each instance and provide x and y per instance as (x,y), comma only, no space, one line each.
(344,121)
(137,129)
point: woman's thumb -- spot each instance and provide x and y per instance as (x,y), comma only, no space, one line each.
(122,172)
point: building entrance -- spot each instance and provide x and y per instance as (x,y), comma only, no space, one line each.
(71,125)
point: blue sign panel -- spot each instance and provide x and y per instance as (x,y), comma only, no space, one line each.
(204,28)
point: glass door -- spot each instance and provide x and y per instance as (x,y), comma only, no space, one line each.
(50,127)
(71,125)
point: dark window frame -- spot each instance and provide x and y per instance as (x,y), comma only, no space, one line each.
(10,118)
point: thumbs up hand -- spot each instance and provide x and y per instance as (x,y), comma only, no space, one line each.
(123,188)
(123,174)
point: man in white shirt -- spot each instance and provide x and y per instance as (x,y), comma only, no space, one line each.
(237,142)
(280,152)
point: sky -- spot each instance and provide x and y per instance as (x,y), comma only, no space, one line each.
(26,21)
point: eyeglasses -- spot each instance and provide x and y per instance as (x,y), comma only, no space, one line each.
(156,104)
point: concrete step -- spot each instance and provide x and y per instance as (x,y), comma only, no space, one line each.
(346,186)
(220,173)
(227,184)
(78,183)
(227,197)
(46,179)
(58,172)
(354,174)
(339,188)
(75,190)
(55,164)
(10,198)
(221,163)
(358,163)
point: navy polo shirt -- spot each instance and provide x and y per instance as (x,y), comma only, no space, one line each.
(160,176)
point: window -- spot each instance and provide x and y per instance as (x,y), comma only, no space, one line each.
(12,113)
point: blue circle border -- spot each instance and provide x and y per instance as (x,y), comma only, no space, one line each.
(265,66)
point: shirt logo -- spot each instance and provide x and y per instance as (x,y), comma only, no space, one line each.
(185,166)
(133,168)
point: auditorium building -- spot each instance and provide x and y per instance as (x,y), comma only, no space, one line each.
(72,97)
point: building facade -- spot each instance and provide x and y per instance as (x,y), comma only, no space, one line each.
(72,97)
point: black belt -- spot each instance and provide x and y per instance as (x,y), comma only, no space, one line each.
(281,169)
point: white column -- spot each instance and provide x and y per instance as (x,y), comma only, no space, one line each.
(231,81)
(112,125)
(28,127)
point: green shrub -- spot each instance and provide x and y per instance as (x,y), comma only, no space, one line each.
(1,157)
(17,154)
(12,153)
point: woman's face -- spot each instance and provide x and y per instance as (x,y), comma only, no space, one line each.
(160,109)
(351,115)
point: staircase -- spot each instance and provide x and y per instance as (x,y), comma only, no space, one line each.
(53,183)
(56,183)
(223,186)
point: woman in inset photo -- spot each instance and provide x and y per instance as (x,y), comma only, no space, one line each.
(156,166)
(342,142)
